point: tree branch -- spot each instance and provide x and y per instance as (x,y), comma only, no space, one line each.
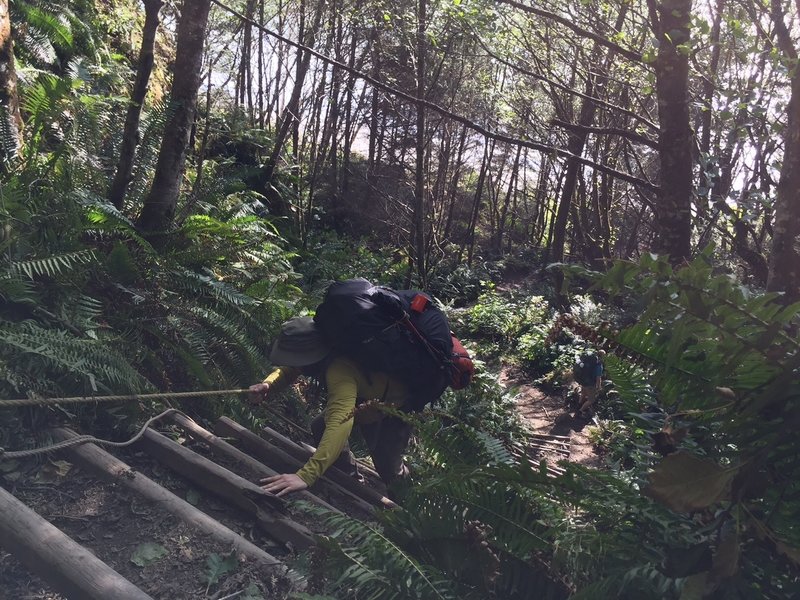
(565,88)
(500,137)
(634,137)
(629,54)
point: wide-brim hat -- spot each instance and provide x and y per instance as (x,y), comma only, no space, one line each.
(299,344)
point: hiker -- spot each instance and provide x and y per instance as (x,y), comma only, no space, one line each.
(301,349)
(589,375)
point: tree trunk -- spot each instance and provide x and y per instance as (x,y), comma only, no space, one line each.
(497,244)
(261,35)
(469,241)
(159,206)
(784,260)
(130,135)
(419,179)
(673,208)
(9,100)
(290,113)
(707,98)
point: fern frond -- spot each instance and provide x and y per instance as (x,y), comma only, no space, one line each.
(101,214)
(376,565)
(15,289)
(98,362)
(51,265)
(50,20)
(200,285)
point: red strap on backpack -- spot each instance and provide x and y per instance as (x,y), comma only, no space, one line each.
(463,370)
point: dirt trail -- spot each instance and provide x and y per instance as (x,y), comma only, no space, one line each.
(550,415)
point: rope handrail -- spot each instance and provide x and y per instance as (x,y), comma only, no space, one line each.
(116,398)
(18,402)
(84,439)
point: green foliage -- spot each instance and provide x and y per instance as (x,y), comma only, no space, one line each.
(507,321)
(148,553)
(720,382)
(89,304)
(328,258)
(701,493)
(217,566)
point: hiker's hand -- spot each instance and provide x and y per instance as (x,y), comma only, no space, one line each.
(283,484)
(258,393)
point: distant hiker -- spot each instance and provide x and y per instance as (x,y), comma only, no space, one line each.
(588,372)
(301,350)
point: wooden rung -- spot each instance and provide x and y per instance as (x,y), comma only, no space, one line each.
(334,481)
(230,487)
(220,446)
(114,470)
(58,559)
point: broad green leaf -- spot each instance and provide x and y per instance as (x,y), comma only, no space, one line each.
(192,497)
(148,553)
(217,566)
(684,482)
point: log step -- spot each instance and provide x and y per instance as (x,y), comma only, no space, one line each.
(57,558)
(230,487)
(110,468)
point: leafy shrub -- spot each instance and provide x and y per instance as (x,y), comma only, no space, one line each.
(329,258)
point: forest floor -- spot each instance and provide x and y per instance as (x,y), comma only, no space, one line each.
(124,530)
(551,415)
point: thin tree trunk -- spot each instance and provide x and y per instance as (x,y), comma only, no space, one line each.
(575,145)
(130,135)
(511,193)
(707,98)
(673,209)
(348,117)
(261,64)
(304,59)
(10,117)
(419,180)
(453,196)
(784,260)
(159,206)
(488,153)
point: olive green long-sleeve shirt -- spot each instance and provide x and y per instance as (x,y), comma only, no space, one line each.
(347,385)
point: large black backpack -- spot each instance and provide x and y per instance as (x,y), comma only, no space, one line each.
(585,369)
(400,333)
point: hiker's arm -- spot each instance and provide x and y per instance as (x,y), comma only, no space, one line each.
(278,380)
(342,391)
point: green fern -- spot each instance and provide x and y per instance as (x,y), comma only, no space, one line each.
(52,265)
(29,344)
(367,560)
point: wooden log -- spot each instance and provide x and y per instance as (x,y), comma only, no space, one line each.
(551,436)
(303,451)
(58,559)
(338,476)
(549,448)
(114,470)
(230,487)
(223,448)
(330,482)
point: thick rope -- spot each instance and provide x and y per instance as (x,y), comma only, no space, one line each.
(84,439)
(119,398)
